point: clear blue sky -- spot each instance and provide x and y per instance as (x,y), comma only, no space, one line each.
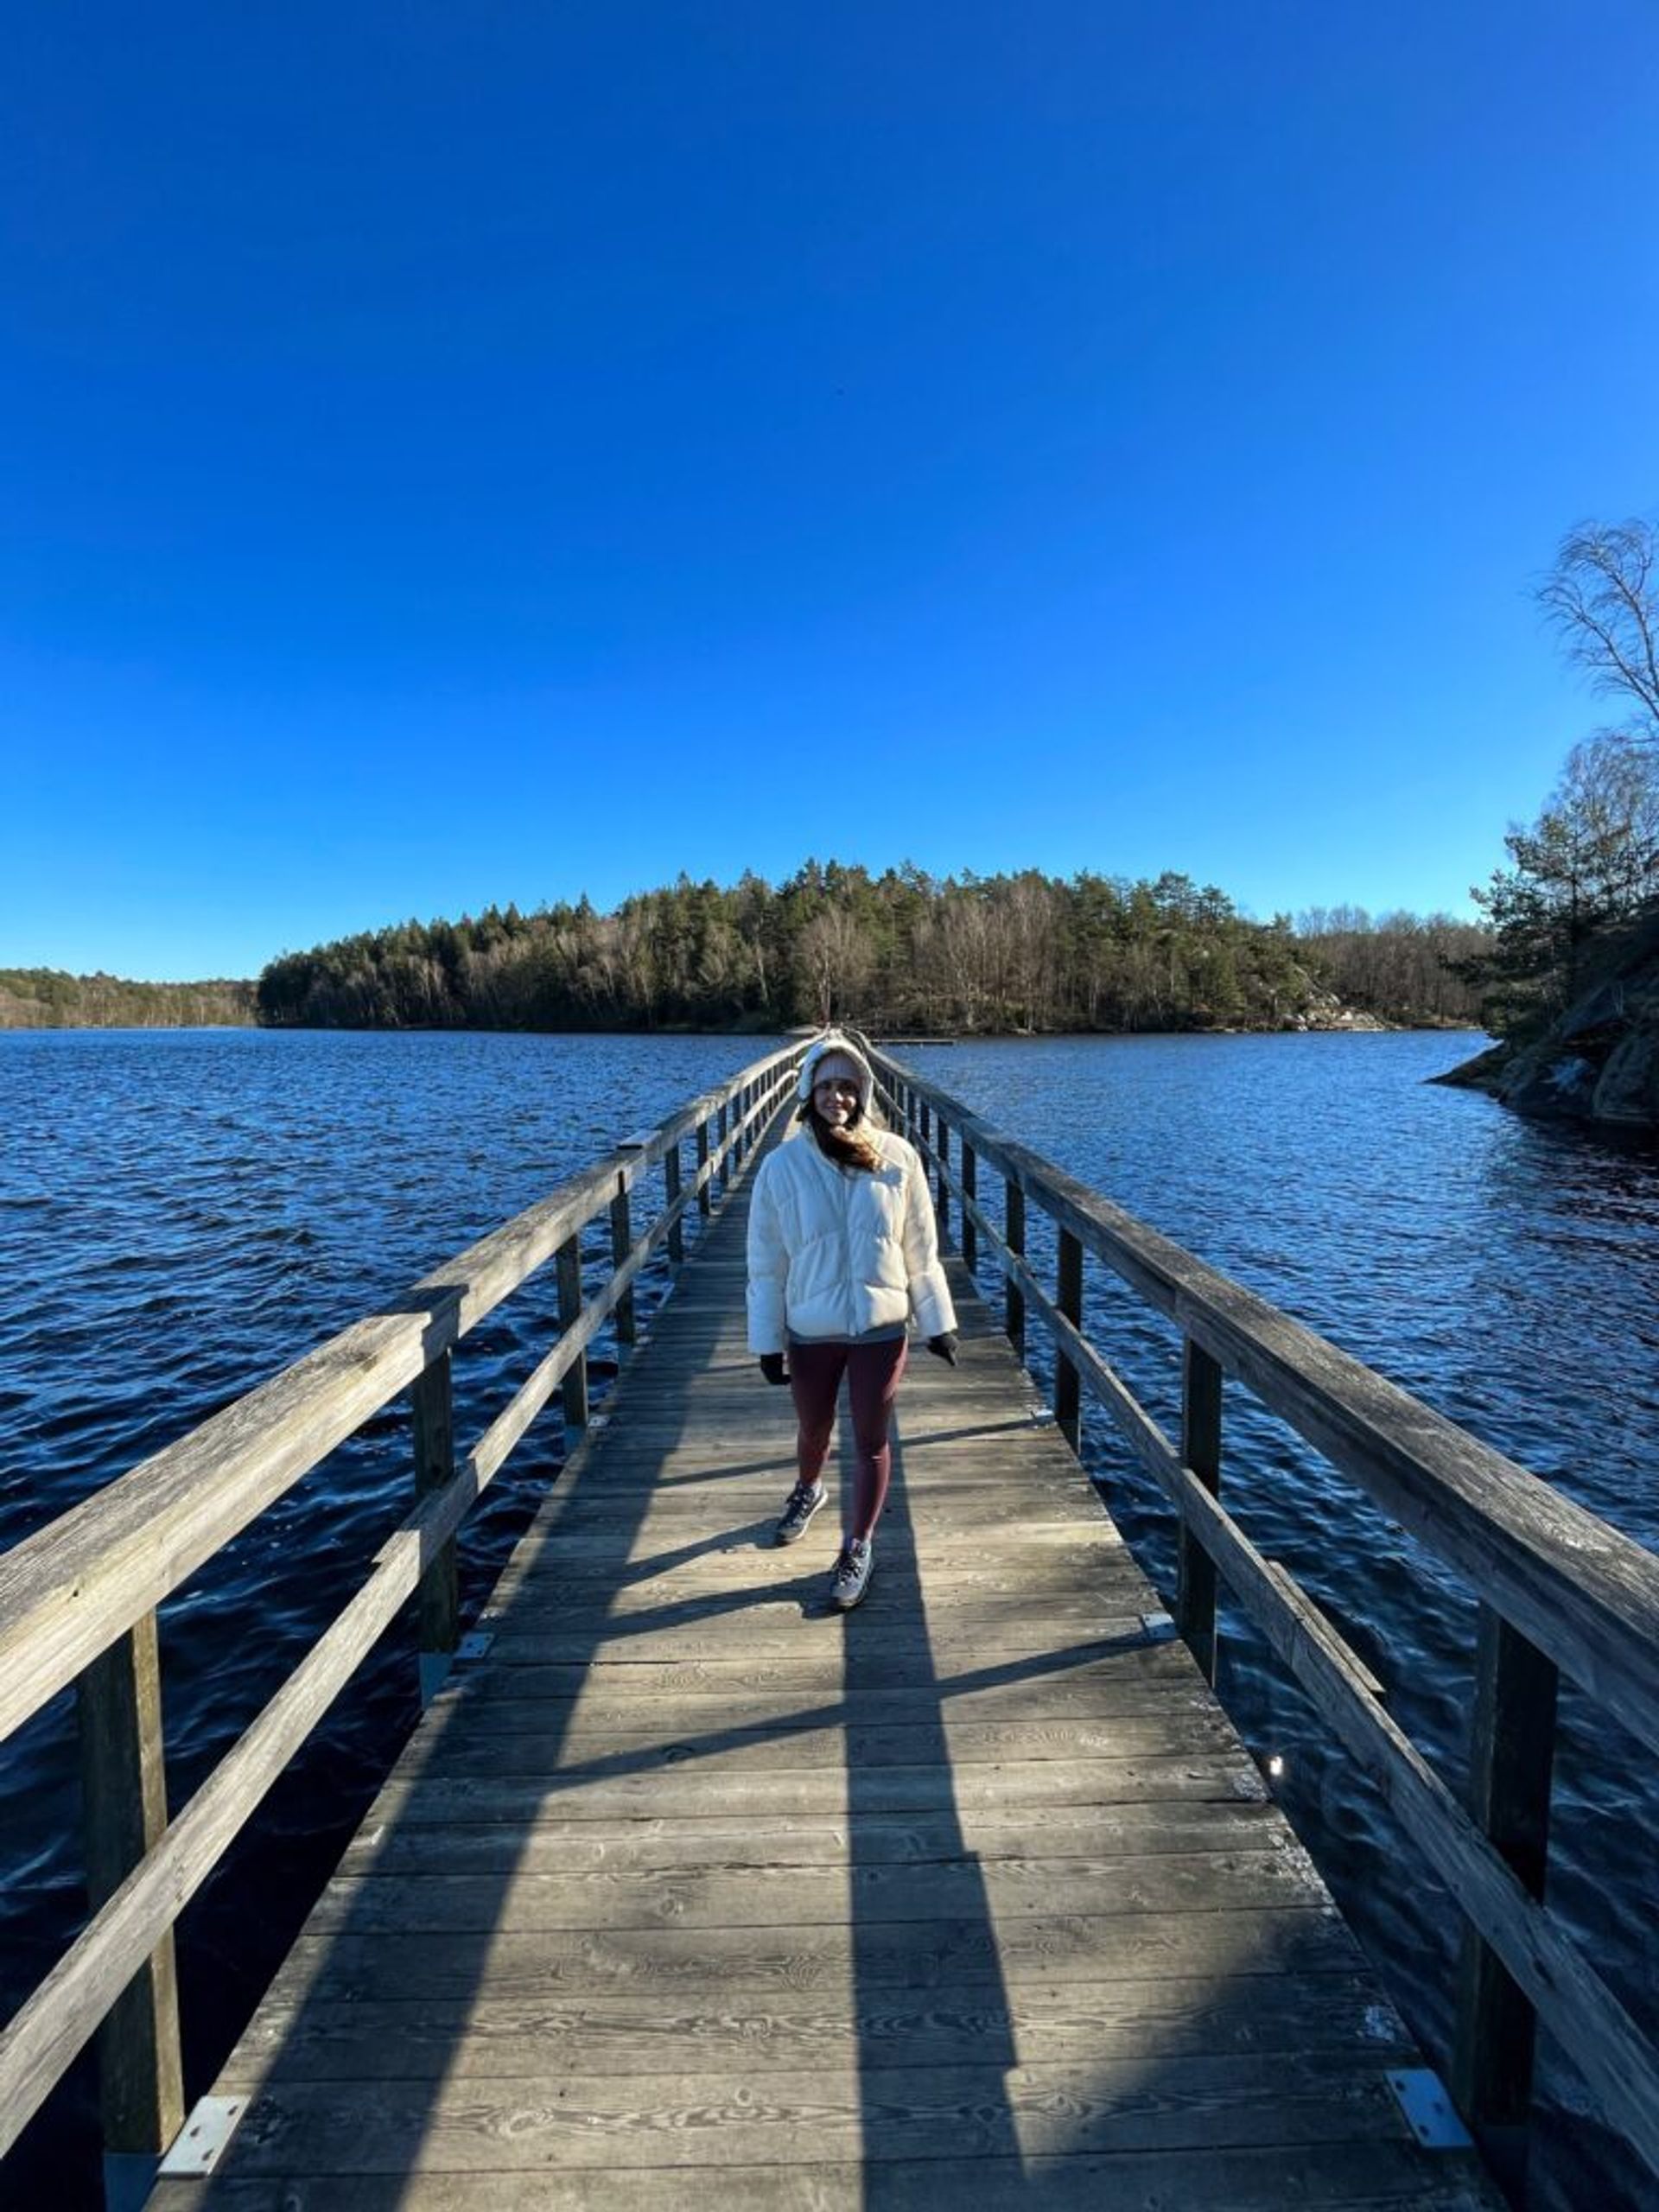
(469,453)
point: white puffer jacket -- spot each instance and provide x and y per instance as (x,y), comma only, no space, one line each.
(835,1252)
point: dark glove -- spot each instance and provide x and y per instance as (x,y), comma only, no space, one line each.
(944,1347)
(771,1366)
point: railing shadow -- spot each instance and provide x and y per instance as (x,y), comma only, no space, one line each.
(362,2079)
(335,2070)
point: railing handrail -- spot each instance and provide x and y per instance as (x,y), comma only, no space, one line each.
(1556,1587)
(1583,1591)
(79,1598)
(70,1589)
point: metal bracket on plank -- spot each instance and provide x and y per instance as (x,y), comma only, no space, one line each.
(1158,1628)
(1429,2111)
(199,2144)
(436,1667)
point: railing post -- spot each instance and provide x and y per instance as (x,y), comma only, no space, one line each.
(705,1196)
(1195,1604)
(672,1186)
(924,1125)
(725,1174)
(942,1203)
(1068,1404)
(123,1801)
(438,1599)
(574,1385)
(1014,1310)
(622,1245)
(970,1190)
(1512,1746)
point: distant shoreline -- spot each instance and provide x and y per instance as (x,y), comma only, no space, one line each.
(36,999)
(1369,1026)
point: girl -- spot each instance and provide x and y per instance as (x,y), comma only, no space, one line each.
(843,1254)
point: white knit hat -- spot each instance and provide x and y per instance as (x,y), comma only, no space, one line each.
(833,1041)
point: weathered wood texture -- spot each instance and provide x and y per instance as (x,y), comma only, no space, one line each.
(80,1594)
(123,1797)
(691,1884)
(1585,1594)
(1513,1536)
(67,1592)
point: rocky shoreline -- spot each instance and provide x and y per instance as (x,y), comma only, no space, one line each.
(1598,1063)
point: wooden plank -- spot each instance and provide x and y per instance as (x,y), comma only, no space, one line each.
(678,1793)
(1615,2058)
(972,1888)
(544,1748)
(568,1260)
(1136,1829)
(1068,1300)
(123,1801)
(1064,1587)
(674,1204)
(621,1243)
(306,2037)
(501,1703)
(1512,1749)
(718,1963)
(68,1590)
(1195,1604)
(817,1665)
(775,1630)
(1389,2176)
(438,1599)
(754,1896)
(53,2025)
(1581,1591)
(1014,1303)
(712,2120)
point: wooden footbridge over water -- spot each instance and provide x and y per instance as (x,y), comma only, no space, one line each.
(686,1885)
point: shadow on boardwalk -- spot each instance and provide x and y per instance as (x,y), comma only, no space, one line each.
(693,1886)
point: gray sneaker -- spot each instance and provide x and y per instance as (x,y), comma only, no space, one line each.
(852,1575)
(803,1501)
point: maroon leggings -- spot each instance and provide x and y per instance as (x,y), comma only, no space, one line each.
(872,1373)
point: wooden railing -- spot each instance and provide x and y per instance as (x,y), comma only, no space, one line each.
(1557,1590)
(79,1599)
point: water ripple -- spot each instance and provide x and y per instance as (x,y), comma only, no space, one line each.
(183,1214)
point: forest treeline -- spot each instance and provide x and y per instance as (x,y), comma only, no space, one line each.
(47,998)
(900,952)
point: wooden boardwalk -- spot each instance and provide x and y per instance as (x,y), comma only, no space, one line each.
(690,1889)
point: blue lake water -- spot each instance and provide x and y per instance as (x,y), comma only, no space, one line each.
(182,1213)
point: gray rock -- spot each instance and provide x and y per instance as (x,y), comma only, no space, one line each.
(1605,1008)
(1599,1061)
(1627,1090)
(1551,1085)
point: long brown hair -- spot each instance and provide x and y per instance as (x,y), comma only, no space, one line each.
(855,1146)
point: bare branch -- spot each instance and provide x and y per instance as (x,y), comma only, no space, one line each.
(1603,602)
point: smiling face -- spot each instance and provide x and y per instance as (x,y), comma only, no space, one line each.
(835,1088)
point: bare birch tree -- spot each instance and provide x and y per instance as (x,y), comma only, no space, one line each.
(1602,600)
